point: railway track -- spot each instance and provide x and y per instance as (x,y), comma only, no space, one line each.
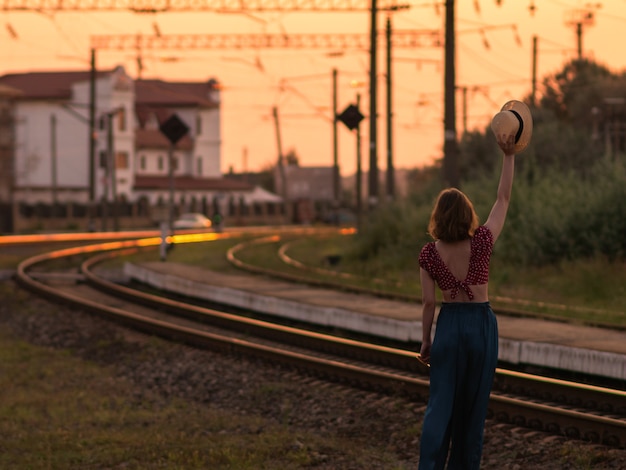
(383,288)
(578,411)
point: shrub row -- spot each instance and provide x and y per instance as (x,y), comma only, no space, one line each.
(552,217)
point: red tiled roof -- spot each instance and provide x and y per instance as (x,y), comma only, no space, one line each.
(190,183)
(144,113)
(46,85)
(154,139)
(7,91)
(157,93)
(151,93)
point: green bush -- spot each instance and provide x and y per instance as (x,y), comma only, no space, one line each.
(553,217)
(392,235)
(566,217)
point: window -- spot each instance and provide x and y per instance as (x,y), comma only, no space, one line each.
(121,119)
(160,162)
(142,162)
(198,124)
(121,160)
(103,158)
(199,165)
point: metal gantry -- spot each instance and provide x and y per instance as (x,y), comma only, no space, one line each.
(217,6)
(399,39)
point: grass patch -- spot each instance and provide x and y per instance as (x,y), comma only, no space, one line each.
(584,458)
(209,255)
(581,290)
(266,257)
(58,411)
(10,260)
(12,255)
(368,273)
(587,290)
(592,283)
(205,254)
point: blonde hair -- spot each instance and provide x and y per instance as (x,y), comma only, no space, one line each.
(453,218)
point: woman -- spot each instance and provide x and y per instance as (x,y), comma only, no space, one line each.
(464,353)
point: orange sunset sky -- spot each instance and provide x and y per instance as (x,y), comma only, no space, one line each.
(491,63)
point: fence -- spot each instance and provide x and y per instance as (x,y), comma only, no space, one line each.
(28,218)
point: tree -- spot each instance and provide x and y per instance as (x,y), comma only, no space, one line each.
(479,154)
(291,158)
(592,100)
(571,93)
(580,118)
(266,178)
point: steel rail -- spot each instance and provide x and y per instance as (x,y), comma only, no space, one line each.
(573,423)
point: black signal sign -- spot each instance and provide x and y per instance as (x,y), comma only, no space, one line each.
(351,117)
(174,128)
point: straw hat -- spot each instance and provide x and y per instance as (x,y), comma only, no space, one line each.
(514,118)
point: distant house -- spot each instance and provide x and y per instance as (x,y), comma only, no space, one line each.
(308,190)
(51,144)
(401,188)
(314,183)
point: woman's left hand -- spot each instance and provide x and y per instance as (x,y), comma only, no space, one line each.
(506,143)
(424,355)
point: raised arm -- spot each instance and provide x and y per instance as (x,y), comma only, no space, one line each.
(497,216)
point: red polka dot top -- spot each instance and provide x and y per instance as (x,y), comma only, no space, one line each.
(481,247)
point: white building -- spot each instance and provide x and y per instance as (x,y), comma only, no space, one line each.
(51,160)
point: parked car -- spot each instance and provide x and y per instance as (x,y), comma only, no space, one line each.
(192,220)
(339,217)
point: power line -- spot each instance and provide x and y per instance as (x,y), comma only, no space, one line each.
(218,6)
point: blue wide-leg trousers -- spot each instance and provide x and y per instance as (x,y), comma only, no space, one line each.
(463,360)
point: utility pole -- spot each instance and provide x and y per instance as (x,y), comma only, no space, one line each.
(373,170)
(450,146)
(112,168)
(281,163)
(105,190)
(359,172)
(352,117)
(578,18)
(390,168)
(464,107)
(92,140)
(53,161)
(109,208)
(174,129)
(171,170)
(335,144)
(533,95)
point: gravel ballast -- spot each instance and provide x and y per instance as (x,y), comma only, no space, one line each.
(300,402)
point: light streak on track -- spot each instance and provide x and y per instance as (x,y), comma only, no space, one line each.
(185,236)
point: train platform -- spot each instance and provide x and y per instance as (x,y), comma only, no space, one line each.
(523,341)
